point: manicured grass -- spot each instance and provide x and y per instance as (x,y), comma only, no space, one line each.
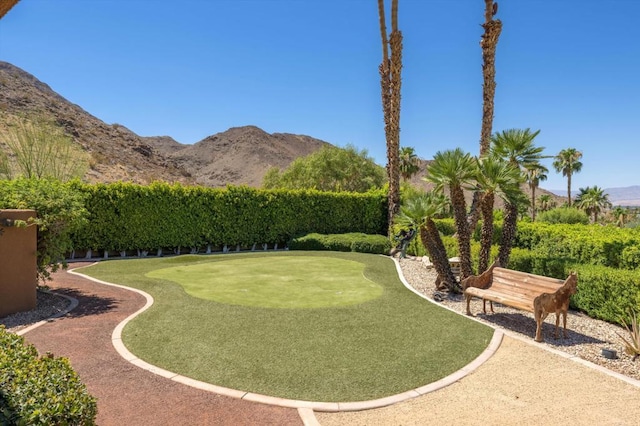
(386,345)
(285,282)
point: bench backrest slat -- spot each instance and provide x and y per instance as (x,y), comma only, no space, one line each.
(524,277)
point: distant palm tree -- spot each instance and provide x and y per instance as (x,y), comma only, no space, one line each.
(620,215)
(568,162)
(390,83)
(593,201)
(496,177)
(515,146)
(420,211)
(545,202)
(535,174)
(409,165)
(456,169)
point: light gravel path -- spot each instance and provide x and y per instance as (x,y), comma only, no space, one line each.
(524,382)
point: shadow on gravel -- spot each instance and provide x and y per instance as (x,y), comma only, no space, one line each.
(89,304)
(526,325)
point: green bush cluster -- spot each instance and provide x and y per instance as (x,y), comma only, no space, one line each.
(568,215)
(354,241)
(60,211)
(124,216)
(40,390)
(586,244)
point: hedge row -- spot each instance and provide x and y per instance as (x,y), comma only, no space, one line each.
(587,244)
(358,242)
(124,216)
(40,390)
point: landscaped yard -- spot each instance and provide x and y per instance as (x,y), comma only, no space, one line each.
(322,326)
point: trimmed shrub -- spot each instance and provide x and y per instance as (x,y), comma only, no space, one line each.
(40,390)
(568,215)
(357,242)
(606,293)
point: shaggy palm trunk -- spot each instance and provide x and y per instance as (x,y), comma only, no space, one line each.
(431,240)
(464,236)
(488,43)
(508,233)
(486,237)
(390,84)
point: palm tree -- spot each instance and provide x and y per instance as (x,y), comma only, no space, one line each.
(535,174)
(516,147)
(545,202)
(593,201)
(456,169)
(496,177)
(390,82)
(409,165)
(420,211)
(620,215)
(568,162)
(488,43)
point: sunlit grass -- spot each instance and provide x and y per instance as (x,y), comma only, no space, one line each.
(386,345)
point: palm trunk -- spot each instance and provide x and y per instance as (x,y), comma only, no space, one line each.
(431,240)
(488,43)
(390,82)
(569,188)
(507,238)
(487,232)
(533,203)
(464,236)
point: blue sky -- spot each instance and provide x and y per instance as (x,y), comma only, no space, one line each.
(189,69)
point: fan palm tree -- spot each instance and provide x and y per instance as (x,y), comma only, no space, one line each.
(568,162)
(496,177)
(409,165)
(516,147)
(620,215)
(593,201)
(545,202)
(535,174)
(456,169)
(390,83)
(420,211)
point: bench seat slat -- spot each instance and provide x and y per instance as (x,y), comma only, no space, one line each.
(523,303)
(523,276)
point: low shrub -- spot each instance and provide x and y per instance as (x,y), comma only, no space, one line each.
(356,241)
(568,215)
(38,390)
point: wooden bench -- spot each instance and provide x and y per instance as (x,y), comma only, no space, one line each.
(529,292)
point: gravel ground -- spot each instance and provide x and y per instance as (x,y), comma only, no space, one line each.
(586,336)
(48,305)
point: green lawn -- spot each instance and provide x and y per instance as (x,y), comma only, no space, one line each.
(319,326)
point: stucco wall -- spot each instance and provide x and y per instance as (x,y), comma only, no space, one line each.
(18,275)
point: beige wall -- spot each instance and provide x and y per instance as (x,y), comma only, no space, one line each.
(18,276)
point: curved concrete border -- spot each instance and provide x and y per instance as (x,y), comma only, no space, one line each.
(73,303)
(305,408)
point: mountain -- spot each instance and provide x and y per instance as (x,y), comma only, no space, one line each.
(622,196)
(238,156)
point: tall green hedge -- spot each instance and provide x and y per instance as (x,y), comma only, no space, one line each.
(124,216)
